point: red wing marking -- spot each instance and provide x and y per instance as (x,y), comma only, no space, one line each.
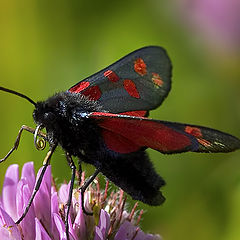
(131,88)
(118,143)
(79,87)
(196,132)
(145,133)
(104,114)
(140,67)
(135,113)
(93,93)
(157,79)
(112,76)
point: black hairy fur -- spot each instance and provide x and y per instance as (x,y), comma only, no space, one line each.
(134,173)
(65,118)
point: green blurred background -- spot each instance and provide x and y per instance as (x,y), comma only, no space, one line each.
(48,46)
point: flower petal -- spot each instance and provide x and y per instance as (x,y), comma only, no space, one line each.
(71,230)
(98,234)
(54,210)
(63,193)
(79,225)
(127,231)
(61,228)
(8,229)
(29,174)
(104,223)
(22,199)
(42,201)
(9,191)
(54,203)
(41,233)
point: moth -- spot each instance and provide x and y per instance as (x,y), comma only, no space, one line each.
(103,121)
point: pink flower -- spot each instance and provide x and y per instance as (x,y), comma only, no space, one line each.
(45,219)
(216,21)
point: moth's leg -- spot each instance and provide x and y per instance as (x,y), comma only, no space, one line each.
(79,172)
(15,146)
(73,168)
(84,187)
(46,162)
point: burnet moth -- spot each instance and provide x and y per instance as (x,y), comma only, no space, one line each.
(103,121)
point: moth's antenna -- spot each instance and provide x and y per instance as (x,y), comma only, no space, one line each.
(18,94)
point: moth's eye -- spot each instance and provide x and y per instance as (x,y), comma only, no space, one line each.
(49,116)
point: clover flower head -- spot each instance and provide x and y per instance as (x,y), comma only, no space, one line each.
(45,219)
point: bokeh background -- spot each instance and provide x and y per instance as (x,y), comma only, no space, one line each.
(48,46)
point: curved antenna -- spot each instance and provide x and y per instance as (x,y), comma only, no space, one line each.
(18,94)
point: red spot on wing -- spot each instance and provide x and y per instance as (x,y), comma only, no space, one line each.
(140,67)
(104,114)
(79,87)
(157,79)
(145,133)
(93,93)
(118,143)
(112,76)
(196,132)
(131,88)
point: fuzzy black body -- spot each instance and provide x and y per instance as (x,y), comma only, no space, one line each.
(65,117)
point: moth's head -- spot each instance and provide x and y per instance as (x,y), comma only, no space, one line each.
(42,114)
(47,112)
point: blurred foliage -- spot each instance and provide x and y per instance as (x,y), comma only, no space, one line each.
(48,46)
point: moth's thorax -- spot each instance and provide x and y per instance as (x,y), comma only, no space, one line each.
(64,117)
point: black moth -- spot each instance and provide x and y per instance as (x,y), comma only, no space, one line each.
(102,121)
